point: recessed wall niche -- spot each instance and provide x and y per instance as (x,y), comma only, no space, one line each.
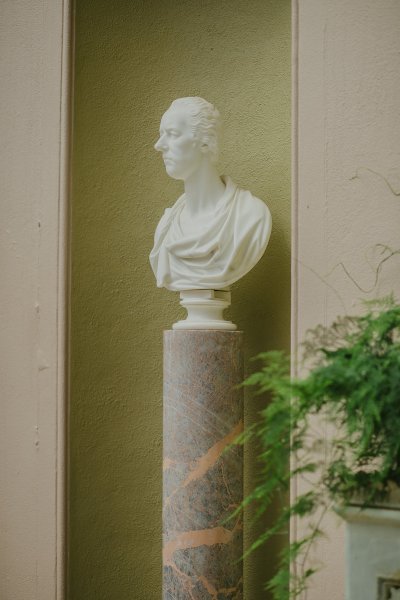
(131,60)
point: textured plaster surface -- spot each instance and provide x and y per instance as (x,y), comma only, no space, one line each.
(132,59)
(347,181)
(202,475)
(33,122)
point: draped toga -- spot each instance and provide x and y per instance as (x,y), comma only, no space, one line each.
(219,253)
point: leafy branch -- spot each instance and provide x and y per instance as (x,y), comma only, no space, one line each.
(353,390)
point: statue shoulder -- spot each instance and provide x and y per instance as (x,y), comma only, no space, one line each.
(253,207)
(167,218)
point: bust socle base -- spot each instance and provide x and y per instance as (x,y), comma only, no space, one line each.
(205,310)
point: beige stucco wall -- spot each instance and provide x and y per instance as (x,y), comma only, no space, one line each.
(346,188)
(34,74)
(346,179)
(132,59)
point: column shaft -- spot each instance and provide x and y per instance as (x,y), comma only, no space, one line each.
(203,476)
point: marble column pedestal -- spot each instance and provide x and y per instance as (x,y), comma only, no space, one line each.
(203,476)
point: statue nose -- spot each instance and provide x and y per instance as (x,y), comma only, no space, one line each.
(160,144)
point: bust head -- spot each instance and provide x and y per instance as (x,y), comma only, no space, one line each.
(188,136)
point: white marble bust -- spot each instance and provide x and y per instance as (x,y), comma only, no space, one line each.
(215,232)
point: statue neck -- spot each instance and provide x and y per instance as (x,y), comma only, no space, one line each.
(203,189)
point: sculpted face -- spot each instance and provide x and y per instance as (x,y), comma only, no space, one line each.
(181,151)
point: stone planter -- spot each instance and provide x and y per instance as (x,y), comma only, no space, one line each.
(373,551)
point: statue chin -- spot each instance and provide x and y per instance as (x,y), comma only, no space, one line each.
(172,171)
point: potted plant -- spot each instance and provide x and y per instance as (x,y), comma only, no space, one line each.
(352,387)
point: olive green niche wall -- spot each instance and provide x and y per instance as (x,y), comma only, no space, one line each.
(132,59)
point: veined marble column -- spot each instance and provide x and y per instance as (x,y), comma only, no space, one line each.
(203,476)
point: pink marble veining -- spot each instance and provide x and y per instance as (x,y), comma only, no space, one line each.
(203,474)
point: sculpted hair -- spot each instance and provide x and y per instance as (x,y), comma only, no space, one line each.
(205,120)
